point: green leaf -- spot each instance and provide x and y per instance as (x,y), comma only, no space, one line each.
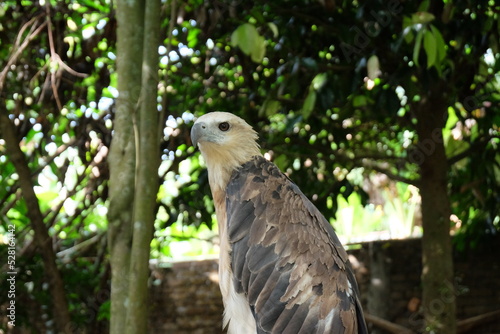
(422,18)
(408,34)
(274,29)
(416,48)
(359,101)
(282,161)
(309,103)
(450,124)
(269,108)
(440,44)
(319,81)
(192,37)
(63,125)
(407,22)
(424,6)
(251,43)
(244,37)
(430,48)
(104,311)
(46,198)
(452,119)
(259,50)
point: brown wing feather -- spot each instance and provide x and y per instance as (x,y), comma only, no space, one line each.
(286,258)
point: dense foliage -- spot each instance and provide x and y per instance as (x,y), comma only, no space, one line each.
(330,87)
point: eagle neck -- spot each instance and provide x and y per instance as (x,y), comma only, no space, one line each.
(222,163)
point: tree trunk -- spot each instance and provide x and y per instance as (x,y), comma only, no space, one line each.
(147,175)
(134,160)
(437,260)
(122,157)
(60,310)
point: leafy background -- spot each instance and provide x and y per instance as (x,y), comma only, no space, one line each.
(328,86)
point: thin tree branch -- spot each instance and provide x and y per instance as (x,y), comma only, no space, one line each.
(53,56)
(69,254)
(363,161)
(474,147)
(387,325)
(463,326)
(13,190)
(17,51)
(390,174)
(57,153)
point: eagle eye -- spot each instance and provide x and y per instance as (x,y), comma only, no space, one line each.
(224,126)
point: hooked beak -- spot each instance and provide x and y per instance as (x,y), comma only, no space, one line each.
(197,133)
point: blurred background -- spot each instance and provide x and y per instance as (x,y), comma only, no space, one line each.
(381,112)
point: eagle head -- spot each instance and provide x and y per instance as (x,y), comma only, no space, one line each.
(226,142)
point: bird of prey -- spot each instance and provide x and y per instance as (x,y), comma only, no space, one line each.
(282,269)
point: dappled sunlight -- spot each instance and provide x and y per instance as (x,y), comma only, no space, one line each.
(372,109)
(391,213)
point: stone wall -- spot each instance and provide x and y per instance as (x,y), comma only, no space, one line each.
(390,282)
(186,299)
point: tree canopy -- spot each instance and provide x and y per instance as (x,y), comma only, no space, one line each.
(340,93)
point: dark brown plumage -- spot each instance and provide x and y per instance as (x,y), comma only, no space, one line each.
(282,268)
(286,257)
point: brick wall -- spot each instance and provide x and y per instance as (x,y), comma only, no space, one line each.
(185,297)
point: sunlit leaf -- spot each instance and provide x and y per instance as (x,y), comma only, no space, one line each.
(416,47)
(430,48)
(269,108)
(440,44)
(251,43)
(309,103)
(46,199)
(319,81)
(373,67)
(422,17)
(274,29)
(192,37)
(244,37)
(259,51)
